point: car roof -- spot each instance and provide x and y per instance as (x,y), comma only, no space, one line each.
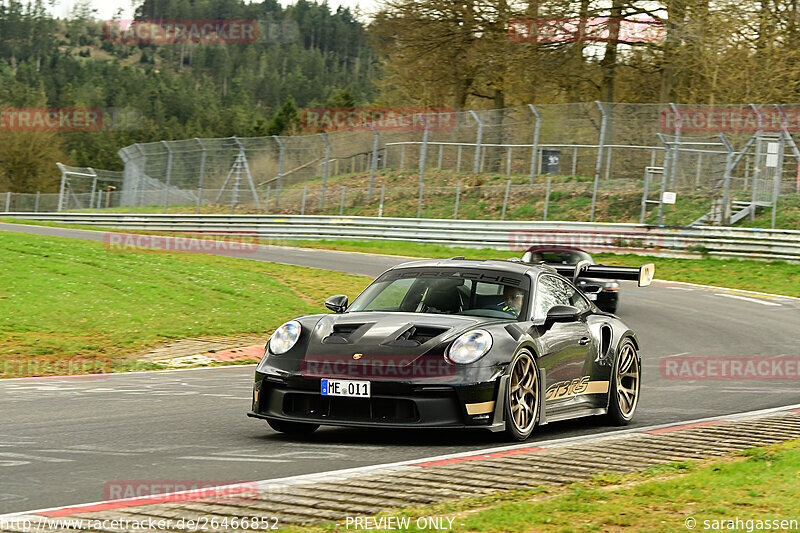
(517,267)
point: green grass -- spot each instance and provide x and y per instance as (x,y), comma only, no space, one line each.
(65,300)
(760,484)
(766,276)
(777,277)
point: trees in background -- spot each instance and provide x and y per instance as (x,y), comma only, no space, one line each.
(458,52)
(438,53)
(305,53)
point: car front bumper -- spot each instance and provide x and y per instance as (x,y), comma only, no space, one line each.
(391,404)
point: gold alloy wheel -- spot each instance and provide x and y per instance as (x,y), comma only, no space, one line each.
(523,394)
(627,380)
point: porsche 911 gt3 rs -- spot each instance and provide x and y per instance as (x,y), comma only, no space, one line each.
(497,345)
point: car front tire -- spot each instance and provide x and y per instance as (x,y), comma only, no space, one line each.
(522,397)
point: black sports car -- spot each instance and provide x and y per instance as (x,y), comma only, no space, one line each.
(455,343)
(603,292)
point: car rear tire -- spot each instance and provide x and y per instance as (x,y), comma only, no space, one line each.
(522,397)
(625,385)
(292,428)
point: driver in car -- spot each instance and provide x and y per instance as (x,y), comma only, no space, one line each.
(512,301)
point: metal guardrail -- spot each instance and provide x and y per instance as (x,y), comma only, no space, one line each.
(501,235)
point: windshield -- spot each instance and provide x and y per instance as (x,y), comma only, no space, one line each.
(454,295)
(562,257)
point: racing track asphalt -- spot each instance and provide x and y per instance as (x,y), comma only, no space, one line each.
(73,440)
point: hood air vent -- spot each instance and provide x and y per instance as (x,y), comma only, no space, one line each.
(416,335)
(341,333)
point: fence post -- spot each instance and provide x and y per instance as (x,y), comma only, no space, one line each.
(458,159)
(237,182)
(757,166)
(139,184)
(663,190)
(575,161)
(380,207)
(478,143)
(63,186)
(281,151)
(169,174)
(608,162)
(36,203)
(645,192)
(99,201)
(403,155)
(535,161)
(505,200)
(325,169)
(266,200)
(423,154)
(202,174)
(374,166)
(441,147)
(547,198)
(303,205)
(8,202)
(341,205)
(94,186)
(699,170)
(458,200)
(776,191)
(508,162)
(599,165)
(678,128)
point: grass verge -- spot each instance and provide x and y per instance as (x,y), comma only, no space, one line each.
(757,484)
(778,277)
(64,301)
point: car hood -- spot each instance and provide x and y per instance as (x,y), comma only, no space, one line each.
(368,336)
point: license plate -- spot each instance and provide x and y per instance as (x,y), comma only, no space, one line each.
(592,296)
(342,387)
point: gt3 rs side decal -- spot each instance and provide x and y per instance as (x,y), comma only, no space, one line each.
(574,387)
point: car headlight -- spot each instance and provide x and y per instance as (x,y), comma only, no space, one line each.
(470,347)
(285,337)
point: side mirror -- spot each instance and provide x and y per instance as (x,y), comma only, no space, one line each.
(337,303)
(562,313)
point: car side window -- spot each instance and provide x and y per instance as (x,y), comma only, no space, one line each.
(552,291)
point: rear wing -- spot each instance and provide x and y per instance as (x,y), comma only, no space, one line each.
(643,274)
